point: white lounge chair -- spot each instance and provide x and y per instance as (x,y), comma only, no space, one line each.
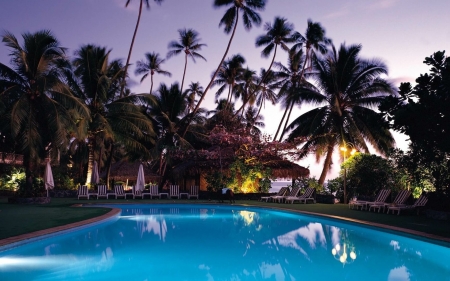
(102,191)
(400,199)
(152,192)
(280,192)
(118,192)
(83,192)
(381,198)
(174,191)
(420,202)
(136,193)
(293,194)
(304,198)
(193,192)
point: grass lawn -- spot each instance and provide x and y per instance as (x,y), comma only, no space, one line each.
(21,219)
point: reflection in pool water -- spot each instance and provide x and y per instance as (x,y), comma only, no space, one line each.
(206,242)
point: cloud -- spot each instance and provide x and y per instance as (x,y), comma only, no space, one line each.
(397,80)
(383,4)
(337,14)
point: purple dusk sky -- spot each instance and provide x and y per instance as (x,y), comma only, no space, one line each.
(399,32)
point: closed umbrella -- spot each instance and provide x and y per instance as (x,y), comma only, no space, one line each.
(140,182)
(48,178)
(95,177)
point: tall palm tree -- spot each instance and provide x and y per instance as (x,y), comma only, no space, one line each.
(194,90)
(266,91)
(229,73)
(280,34)
(151,65)
(230,19)
(125,72)
(247,87)
(189,44)
(350,90)
(313,41)
(37,105)
(113,120)
(252,121)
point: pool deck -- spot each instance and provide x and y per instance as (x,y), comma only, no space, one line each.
(114,212)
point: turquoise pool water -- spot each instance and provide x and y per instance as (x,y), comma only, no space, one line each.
(214,242)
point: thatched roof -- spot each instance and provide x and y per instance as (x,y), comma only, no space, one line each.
(124,170)
(280,168)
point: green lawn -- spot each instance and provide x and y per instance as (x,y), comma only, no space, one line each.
(20,219)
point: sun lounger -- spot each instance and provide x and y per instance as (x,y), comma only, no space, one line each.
(280,192)
(420,202)
(381,198)
(304,198)
(83,192)
(193,192)
(174,191)
(400,199)
(102,191)
(152,192)
(136,193)
(118,192)
(294,192)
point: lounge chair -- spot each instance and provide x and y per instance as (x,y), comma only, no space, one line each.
(118,192)
(136,193)
(174,191)
(280,192)
(193,192)
(400,199)
(420,202)
(83,192)
(294,193)
(153,192)
(102,191)
(304,198)
(381,198)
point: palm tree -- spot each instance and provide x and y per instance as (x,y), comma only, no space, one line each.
(37,105)
(189,44)
(113,120)
(229,73)
(314,41)
(151,65)
(252,121)
(350,90)
(194,90)
(247,87)
(280,34)
(132,40)
(266,90)
(230,21)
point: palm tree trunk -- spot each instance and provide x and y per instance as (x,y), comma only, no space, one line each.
(108,166)
(326,164)
(214,76)
(260,82)
(151,85)
(286,123)
(184,73)
(131,49)
(259,110)
(281,122)
(90,160)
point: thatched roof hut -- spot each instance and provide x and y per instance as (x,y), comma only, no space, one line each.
(124,170)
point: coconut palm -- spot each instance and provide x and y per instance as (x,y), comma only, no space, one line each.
(229,73)
(266,91)
(113,120)
(252,121)
(247,88)
(230,20)
(194,90)
(350,91)
(189,43)
(313,41)
(280,34)
(37,106)
(125,72)
(151,65)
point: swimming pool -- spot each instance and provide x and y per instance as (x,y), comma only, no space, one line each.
(224,242)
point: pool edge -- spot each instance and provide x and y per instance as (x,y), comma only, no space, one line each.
(29,237)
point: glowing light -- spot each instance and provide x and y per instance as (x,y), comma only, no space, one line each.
(247,216)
